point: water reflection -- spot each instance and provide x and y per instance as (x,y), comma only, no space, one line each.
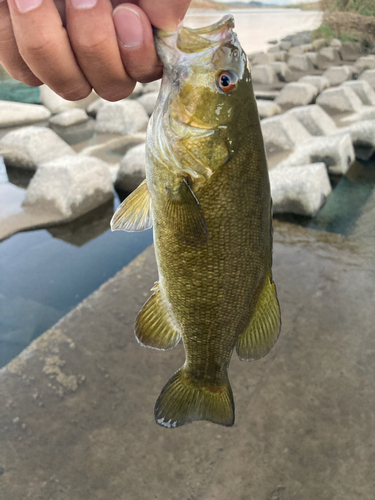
(86,228)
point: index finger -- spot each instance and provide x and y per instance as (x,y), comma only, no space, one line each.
(165,14)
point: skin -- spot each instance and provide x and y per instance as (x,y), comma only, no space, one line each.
(211,289)
(74,50)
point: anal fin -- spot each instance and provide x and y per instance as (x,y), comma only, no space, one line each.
(134,213)
(264,327)
(184,212)
(153,327)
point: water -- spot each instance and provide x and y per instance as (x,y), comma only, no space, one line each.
(12,90)
(46,273)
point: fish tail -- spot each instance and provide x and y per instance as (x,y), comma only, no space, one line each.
(185,399)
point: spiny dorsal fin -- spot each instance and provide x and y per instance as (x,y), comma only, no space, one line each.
(264,327)
(153,327)
(184,213)
(134,213)
(184,400)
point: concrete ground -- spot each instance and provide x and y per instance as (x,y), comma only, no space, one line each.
(76,411)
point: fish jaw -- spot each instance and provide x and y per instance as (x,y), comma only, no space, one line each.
(192,130)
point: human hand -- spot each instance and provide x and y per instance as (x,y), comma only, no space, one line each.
(75,46)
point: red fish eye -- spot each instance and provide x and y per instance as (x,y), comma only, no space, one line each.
(227,81)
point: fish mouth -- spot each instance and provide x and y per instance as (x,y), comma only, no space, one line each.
(192,40)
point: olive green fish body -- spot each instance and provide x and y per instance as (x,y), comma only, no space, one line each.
(210,288)
(207,196)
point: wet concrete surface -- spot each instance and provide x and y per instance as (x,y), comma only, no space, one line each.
(76,412)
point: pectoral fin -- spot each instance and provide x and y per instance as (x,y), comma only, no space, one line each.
(153,327)
(185,214)
(264,327)
(134,213)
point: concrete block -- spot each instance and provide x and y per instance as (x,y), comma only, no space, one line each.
(339,100)
(299,190)
(263,75)
(132,169)
(70,117)
(363,90)
(266,109)
(335,42)
(313,58)
(57,104)
(70,186)
(369,76)
(28,147)
(148,101)
(285,45)
(283,133)
(295,51)
(300,63)
(296,94)
(363,137)
(319,43)
(123,117)
(262,58)
(281,56)
(335,151)
(364,63)
(327,57)
(151,86)
(19,114)
(338,74)
(315,120)
(282,71)
(320,82)
(367,113)
(350,51)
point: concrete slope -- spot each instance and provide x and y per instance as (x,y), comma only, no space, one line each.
(76,408)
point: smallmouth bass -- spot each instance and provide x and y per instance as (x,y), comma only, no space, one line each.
(207,196)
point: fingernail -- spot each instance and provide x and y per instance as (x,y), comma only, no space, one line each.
(128,26)
(26,5)
(83,4)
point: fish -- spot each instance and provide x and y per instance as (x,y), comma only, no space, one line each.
(207,197)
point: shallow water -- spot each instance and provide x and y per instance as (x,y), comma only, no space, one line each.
(46,273)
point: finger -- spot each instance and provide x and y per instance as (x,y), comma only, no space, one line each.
(93,38)
(137,48)
(165,14)
(9,55)
(44,46)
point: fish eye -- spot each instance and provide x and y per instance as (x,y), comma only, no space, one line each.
(227,81)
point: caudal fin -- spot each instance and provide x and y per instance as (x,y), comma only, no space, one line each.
(184,400)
